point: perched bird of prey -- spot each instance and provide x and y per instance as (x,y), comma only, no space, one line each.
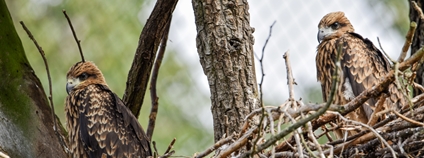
(99,124)
(362,65)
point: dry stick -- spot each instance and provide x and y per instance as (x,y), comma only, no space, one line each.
(169,154)
(62,142)
(290,82)
(306,146)
(47,69)
(418,9)
(237,144)
(418,86)
(408,41)
(385,54)
(331,150)
(260,86)
(4,155)
(406,45)
(154,148)
(407,119)
(302,122)
(155,72)
(379,107)
(417,98)
(290,79)
(170,146)
(272,129)
(214,147)
(75,35)
(296,137)
(314,140)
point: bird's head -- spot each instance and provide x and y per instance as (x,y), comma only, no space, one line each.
(333,25)
(83,74)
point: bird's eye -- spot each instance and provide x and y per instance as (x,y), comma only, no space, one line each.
(83,76)
(335,25)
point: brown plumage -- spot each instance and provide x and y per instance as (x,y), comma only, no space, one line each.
(98,123)
(362,65)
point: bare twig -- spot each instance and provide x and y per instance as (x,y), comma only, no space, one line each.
(290,79)
(271,121)
(408,40)
(314,140)
(214,147)
(418,9)
(260,85)
(296,137)
(407,119)
(75,35)
(237,144)
(4,155)
(380,105)
(417,98)
(170,146)
(155,72)
(168,151)
(62,142)
(154,147)
(387,55)
(168,154)
(418,86)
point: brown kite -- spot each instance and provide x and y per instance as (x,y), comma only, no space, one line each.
(98,123)
(361,67)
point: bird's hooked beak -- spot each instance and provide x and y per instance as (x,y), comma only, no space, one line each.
(324,32)
(72,82)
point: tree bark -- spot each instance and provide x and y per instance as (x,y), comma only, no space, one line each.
(225,47)
(26,125)
(417,41)
(145,55)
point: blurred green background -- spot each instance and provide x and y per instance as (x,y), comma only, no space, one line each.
(109,32)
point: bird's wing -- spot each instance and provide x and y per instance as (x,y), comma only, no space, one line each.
(363,65)
(107,129)
(131,121)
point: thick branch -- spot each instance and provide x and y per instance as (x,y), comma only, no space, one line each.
(145,54)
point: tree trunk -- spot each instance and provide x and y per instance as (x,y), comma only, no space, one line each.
(417,41)
(26,125)
(225,48)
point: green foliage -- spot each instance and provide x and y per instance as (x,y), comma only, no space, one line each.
(109,32)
